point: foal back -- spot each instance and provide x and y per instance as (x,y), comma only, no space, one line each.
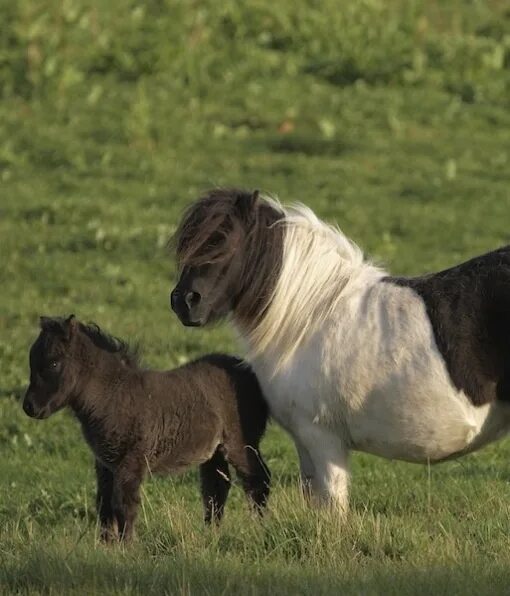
(192,410)
(212,413)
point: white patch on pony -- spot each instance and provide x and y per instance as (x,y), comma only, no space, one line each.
(349,362)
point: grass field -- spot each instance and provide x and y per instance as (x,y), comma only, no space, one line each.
(389,117)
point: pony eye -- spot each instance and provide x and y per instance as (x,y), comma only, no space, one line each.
(53,364)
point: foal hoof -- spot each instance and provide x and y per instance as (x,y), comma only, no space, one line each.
(109,535)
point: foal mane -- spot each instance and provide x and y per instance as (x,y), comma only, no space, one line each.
(128,354)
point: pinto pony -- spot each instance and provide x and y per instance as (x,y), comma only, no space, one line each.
(349,357)
(210,412)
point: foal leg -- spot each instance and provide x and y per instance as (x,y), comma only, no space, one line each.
(253,472)
(108,523)
(215,484)
(126,495)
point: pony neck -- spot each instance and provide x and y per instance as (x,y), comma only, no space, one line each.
(320,269)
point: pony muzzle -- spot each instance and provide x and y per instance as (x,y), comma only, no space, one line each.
(185,305)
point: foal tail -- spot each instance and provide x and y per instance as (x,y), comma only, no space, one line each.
(252,403)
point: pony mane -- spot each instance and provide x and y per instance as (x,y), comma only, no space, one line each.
(320,267)
(128,354)
(296,268)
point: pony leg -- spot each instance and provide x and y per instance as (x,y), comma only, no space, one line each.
(108,523)
(325,456)
(307,471)
(215,485)
(126,496)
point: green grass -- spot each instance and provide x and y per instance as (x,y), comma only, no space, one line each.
(390,118)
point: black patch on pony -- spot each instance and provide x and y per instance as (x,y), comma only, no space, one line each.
(469,309)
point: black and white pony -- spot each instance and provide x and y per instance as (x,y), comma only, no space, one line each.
(349,357)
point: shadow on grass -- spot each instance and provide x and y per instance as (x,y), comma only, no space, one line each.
(115,572)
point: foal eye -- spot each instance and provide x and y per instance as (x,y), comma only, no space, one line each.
(53,364)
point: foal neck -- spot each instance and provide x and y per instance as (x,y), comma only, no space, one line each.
(100,388)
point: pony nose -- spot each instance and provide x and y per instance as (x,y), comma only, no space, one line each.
(181,301)
(192,299)
(174,299)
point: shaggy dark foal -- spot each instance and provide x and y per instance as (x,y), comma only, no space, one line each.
(209,412)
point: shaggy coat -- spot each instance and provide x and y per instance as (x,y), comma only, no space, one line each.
(210,412)
(350,358)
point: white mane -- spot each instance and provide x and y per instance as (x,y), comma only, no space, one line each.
(320,265)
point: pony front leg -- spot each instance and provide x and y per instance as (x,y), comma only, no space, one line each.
(324,463)
(126,497)
(306,470)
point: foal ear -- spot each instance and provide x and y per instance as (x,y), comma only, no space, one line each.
(65,327)
(246,204)
(71,326)
(51,324)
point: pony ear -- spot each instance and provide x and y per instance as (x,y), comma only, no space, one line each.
(246,205)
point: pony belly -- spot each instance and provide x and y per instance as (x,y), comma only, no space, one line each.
(428,434)
(409,410)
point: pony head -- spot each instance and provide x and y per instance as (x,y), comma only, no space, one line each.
(228,255)
(280,272)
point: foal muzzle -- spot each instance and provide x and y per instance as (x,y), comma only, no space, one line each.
(33,411)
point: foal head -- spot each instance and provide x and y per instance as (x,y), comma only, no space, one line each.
(53,370)
(229,253)
(64,357)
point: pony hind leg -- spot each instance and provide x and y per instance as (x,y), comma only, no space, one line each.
(215,485)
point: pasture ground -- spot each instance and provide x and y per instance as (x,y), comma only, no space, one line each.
(388,117)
